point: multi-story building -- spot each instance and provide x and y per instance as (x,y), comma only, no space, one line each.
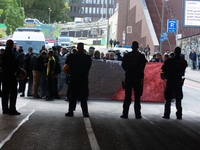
(91,10)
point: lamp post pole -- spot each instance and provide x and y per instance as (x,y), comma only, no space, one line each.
(162,23)
(49,14)
(126,23)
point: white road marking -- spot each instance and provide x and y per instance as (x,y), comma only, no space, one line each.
(13,131)
(23,104)
(192,87)
(93,141)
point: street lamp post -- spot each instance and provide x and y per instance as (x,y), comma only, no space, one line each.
(49,14)
(162,23)
(126,22)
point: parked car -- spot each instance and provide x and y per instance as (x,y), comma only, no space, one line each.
(32,21)
(3,41)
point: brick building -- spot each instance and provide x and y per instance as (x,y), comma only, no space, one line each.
(145,18)
(91,9)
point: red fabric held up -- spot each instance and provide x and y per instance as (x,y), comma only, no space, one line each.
(154,86)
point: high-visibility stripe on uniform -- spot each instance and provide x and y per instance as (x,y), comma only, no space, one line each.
(48,65)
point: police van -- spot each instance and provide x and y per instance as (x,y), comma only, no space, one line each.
(29,37)
(63,41)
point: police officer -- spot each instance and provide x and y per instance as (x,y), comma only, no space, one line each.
(133,63)
(79,66)
(174,69)
(9,84)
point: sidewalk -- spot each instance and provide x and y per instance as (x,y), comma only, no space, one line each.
(193,75)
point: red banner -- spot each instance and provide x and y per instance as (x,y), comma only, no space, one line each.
(154,86)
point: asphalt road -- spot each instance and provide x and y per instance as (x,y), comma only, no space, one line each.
(43,126)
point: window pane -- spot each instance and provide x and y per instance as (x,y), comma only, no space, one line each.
(86,10)
(94,11)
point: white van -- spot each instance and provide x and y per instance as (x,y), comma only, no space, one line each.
(32,21)
(63,41)
(29,37)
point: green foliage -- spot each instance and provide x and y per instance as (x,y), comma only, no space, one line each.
(1,35)
(14,17)
(4,4)
(39,9)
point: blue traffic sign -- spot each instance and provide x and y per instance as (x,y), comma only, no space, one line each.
(171,26)
(162,39)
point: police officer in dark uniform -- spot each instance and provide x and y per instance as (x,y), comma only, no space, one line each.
(79,66)
(133,63)
(174,69)
(9,84)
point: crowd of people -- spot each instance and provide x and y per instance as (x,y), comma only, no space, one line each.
(194,60)
(45,66)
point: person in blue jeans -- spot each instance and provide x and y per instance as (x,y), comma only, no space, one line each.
(198,56)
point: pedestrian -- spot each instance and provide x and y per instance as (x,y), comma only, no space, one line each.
(141,48)
(102,55)
(10,67)
(20,58)
(112,54)
(158,58)
(147,51)
(193,58)
(111,42)
(174,69)
(37,72)
(114,43)
(96,54)
(50,75)
(79,66)
(107,57)
(15,50)
(29,60)
(198,56)
(166,56)
(133,63)
(91,53)
(64,52)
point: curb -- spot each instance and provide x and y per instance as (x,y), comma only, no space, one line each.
(192,80)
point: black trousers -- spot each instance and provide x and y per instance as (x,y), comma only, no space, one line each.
(56,86)
(30,84)
(78,91)
(50,86)
(138,90)
(9,94)
(173,91)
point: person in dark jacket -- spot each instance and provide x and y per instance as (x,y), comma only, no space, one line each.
(174,69)
(79,66)
(37,72)
(29,61)
(10,66)
(50,75)
(15,50)
(133,63)
(20,58)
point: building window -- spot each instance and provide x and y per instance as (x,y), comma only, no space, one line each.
(105,2)
(82,10)
(94,10)
(94,1)
(90,10)
(97,10)
(98,1)
(102,1)
(81,1)
(75,10)
(110,11)
(88,1)
(104,11)
(86,10)
(101,11)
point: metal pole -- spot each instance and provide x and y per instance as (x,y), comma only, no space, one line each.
(126,22)
(49,16)
(162,23)
(176,31)
(107,25)
(102,8)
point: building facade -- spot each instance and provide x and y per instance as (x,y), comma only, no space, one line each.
(91,10)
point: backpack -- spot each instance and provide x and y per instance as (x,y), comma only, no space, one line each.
(57,69)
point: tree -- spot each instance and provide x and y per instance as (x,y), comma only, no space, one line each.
(14,17)
(4,4)
(39,9)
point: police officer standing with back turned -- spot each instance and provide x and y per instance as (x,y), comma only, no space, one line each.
(79,66)
(133,63)
(174,69)
(9,84)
